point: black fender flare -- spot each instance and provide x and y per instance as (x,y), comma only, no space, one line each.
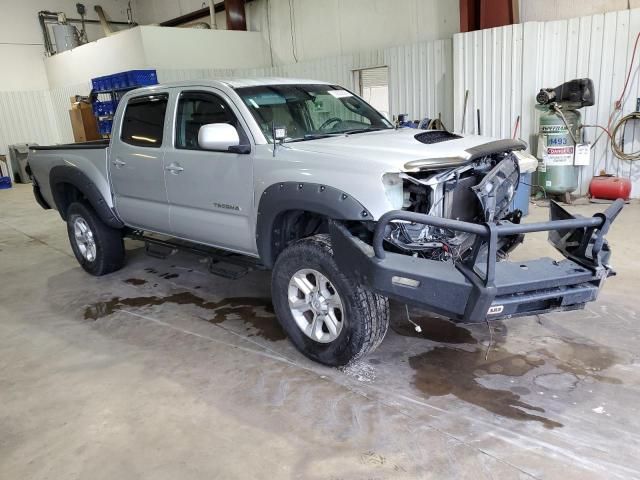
(65,174)
(310,197)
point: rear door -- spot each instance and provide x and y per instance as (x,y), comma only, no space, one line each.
(210,193)
(137,170)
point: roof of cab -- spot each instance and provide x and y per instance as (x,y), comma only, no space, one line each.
(254,82)
(240,82)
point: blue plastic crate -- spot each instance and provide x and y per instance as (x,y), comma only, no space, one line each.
(101,84)
(104,127)
(124,80)
(96,83)
(141,78)
(120,80)
(104,108)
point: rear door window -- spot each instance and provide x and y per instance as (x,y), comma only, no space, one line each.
(143,121)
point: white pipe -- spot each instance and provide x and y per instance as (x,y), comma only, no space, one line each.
(212,12)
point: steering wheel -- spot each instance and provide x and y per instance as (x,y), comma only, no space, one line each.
(328,122)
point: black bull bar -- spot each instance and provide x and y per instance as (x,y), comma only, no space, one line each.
(481,287)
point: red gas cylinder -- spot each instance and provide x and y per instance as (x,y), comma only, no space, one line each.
(610,188)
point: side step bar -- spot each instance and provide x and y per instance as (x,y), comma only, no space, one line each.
(220,262)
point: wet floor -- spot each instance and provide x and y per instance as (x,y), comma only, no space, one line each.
(169,372)
(458,364)
(256,313)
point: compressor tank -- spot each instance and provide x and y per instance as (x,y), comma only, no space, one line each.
(556,171)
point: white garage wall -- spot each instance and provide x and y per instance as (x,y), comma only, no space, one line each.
(27,113)
(548,10)
(420,75)
(504,68)
(420,79)
(305,30)
(27,117)
(21,42)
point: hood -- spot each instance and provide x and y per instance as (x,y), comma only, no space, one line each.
(400,150)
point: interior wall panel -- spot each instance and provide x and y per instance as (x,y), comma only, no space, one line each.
(420,75)
(503,69)
(420,84)
(60,99)
(26,117)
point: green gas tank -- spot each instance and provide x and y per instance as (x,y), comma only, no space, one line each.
(556,147)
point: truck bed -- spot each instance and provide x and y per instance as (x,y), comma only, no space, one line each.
(90,158)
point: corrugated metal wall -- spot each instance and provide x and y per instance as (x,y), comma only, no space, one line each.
(26,117)
(504,68)
(420,79)
(420,75)
(60,100)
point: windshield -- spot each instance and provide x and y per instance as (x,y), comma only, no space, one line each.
(310,111)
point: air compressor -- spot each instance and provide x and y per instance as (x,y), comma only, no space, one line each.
(560,134)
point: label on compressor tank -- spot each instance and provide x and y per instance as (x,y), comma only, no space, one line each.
(558,156)
(557,148)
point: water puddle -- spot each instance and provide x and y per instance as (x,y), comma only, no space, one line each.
(450,371)
(256,313)
(446,370)
(135,281)
(433,327)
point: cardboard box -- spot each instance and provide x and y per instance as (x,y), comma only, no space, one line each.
(83,123)
(75,99)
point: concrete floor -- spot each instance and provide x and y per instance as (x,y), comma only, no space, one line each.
(163,371)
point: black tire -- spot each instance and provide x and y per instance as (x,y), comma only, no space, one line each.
(366,314)
(109,245)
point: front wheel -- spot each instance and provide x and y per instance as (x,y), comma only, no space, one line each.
(98,248)
(328,317)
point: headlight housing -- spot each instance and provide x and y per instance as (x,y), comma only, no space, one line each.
(393,189)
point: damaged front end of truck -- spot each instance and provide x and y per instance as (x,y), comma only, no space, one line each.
(447,249)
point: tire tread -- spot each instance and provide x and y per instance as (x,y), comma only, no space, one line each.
(110,253)
(374,307)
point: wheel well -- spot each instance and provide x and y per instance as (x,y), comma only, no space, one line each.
(292,225)
(65,194)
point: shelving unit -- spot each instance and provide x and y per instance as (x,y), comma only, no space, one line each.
(108,90)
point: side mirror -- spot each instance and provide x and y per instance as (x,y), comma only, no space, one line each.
(218,136)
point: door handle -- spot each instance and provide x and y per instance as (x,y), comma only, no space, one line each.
(174,168)
(119,163)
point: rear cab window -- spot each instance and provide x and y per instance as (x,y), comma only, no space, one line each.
(143,121)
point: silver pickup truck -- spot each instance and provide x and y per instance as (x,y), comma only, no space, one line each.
(306,179)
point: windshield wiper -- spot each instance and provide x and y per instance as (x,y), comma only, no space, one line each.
(315,136)
(363,130)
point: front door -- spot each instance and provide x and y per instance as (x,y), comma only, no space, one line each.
(137,170)
(210,193)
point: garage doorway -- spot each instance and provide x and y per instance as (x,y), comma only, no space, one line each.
(373,87)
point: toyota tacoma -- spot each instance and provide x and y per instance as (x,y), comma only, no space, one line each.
(306,179)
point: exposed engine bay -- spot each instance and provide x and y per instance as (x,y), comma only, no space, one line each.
(478,192)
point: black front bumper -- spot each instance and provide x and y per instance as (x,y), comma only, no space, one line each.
(483,287)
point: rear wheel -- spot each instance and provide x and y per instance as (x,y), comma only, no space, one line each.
(327,316)
(98,248)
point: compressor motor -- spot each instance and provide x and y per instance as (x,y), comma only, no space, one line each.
(574,94)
